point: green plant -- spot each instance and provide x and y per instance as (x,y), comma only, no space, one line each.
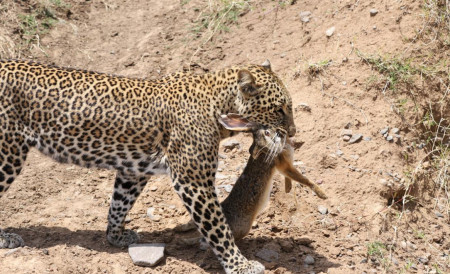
(419,234)
(41,19)
(395,70)
(220,14)
(317,68)
(376,249)
(33,25)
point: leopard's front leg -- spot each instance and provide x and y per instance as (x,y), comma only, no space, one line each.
(193,173)
(126,190)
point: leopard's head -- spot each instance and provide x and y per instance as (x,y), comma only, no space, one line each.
(263,99)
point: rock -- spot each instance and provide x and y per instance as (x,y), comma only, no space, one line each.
(389,138)
(322,209)
(367,139)
(339,152)
(439,215)
(346,138)
(355,157)
(330,31)
(220,176)
(304,16)
(373,12)
(403,245)
(286,245)
(150,214)
(231,144)
(423,260)
(383,182)
(355,138)
(309,260)
(203,244)
(227,188)
(268,255)
(411,245)
(384,131)
(298,163)
(395,130)
(421,145)
(153,188)
(146,254)
(394,260)
(303,107)
(347,132)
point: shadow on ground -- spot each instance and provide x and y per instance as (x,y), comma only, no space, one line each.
(181,246)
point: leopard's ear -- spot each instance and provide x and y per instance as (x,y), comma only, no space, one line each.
(247,83)
(236,122)
(267,65)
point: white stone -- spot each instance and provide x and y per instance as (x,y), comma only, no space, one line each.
(146,254)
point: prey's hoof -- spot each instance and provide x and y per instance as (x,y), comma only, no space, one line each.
(10,240)
(127,238)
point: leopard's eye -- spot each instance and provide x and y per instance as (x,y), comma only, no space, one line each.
(281,111)
(267,133)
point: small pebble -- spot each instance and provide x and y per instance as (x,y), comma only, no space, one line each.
(395,130)
(384,131)
(268,255)
(346,138)
(153,188)
(367,139)
(230,144)
(346,132)
(439,215)
(389,138)
(355,138)
(330,31)
(339,152)
(309,260)
(322,209)
(423,260)
(228,188)
(304,16)
(303,107)
(373,12)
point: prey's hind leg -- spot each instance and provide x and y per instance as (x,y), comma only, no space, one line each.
(13,152)
(126,190)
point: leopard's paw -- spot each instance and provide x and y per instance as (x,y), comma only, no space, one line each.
(10,240)
(125,239)
(249,267)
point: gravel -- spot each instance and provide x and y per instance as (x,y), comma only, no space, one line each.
(268,255)
(309,260)
(355,138)
(373,12)
(330,31)
(322,209)
(384,131)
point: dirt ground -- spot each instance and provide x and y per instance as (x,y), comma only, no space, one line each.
(60,210)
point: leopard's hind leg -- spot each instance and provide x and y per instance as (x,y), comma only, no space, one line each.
(13,152)
(126,190)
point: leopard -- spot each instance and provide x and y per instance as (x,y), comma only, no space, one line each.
(139,128)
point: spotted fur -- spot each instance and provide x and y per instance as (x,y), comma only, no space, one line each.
(139,128)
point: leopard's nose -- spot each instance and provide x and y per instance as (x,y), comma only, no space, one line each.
(292,130)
